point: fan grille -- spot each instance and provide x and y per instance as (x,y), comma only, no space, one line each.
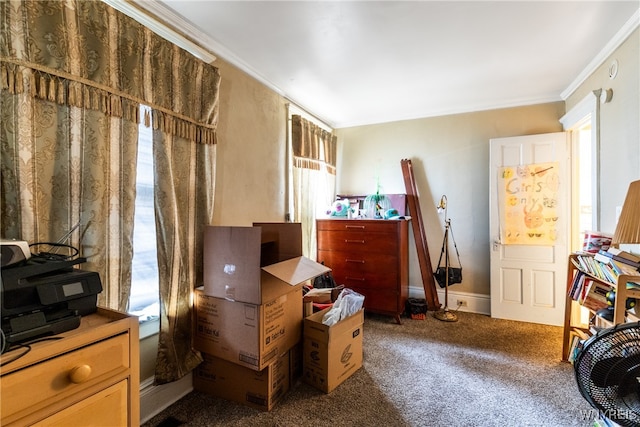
(608,373)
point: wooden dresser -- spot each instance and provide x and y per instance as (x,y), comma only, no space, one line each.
(90,376)
(370,257)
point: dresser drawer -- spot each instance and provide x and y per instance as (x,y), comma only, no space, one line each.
(358,242)
(359,264)
(63,376)
(380,300)
(354,270)
(109,407)
(358,225)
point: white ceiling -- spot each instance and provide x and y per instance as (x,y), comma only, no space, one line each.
(360,62)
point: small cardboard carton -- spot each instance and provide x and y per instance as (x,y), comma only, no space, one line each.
(331,354)
(255,264)
(257,389)
(247,334)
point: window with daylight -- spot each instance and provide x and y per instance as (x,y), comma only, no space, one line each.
(144,300)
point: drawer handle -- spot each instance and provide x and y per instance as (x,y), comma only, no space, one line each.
(360,261)
(353,241)
(80,374)
(359,279)
(360,227)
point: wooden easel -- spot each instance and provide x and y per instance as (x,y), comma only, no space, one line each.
(426,269)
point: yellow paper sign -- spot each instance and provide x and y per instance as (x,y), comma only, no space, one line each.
(528,196)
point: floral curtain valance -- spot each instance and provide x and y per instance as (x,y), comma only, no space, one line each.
(313,147)
(87,54)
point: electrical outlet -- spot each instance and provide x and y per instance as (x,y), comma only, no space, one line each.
(461,303)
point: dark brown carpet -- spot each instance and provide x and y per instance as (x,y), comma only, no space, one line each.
(478,371)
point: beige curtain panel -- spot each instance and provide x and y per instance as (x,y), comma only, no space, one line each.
(184,206)
(89,55)
(313,147)
(73,74)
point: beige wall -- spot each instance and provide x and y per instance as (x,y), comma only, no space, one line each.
(619,126)
(450,155)
(251,150)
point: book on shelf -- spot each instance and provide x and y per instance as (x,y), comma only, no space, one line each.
(595,295)
(578,338)
(632,248)
(631,265)
(633,286)
(605,266)
(597,269)
(576,343)
(589,293)
(576,285)
(613,268)
(624,268)
(624,256)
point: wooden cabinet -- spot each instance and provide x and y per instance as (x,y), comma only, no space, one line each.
(623,292)
(370,257)
(86,376)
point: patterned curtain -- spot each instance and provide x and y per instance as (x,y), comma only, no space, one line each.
(62,165)
(72,76)
(68,148)
(314,180)
(184,205)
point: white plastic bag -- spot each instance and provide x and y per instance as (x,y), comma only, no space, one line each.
(348,302)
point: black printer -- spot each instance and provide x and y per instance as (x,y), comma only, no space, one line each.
(40,297)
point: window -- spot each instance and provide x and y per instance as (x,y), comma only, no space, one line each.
(311,177)
(144,299)
(582,123)
(585,183)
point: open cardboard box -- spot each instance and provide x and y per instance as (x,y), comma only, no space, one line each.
(331,354)
(255,264)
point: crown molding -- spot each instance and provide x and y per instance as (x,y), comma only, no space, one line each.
(175,32)
(175,21)
(162,20)
(609,48)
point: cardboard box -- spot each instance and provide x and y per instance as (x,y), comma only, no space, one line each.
(247,334)
(331,353)
(255,264)
(257,389)
(279,241)
(295,363)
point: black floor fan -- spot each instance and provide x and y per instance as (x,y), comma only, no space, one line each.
(607,370)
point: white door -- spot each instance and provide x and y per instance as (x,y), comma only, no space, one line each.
(529,227)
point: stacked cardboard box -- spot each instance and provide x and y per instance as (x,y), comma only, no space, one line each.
(248,314)
(257,389)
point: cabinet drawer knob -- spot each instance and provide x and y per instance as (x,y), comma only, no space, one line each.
(360,227)
(359,261)
(359,279)
(353,241)
(80,374)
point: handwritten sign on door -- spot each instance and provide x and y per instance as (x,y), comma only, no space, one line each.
(528,196)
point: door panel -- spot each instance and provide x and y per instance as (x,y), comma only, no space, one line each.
(511,290)
(528,280)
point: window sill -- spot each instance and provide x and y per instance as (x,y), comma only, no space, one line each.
(149,328)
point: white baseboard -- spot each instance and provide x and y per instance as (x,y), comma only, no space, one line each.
(156,398)
(476,303)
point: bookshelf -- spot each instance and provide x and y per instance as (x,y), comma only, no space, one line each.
(587,267)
